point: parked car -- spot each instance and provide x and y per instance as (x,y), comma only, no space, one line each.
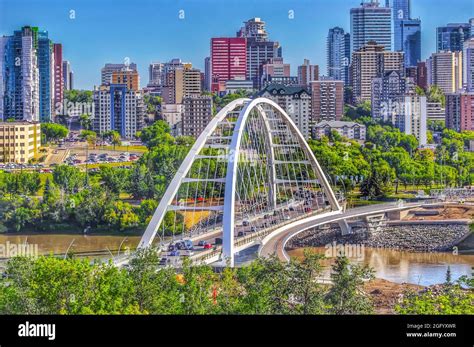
(207,245)
(174,254)
(240,234)
(201,243)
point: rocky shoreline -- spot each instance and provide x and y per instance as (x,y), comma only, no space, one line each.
(413,237)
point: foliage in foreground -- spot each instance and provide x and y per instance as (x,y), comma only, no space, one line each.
(49,285)
(449,298)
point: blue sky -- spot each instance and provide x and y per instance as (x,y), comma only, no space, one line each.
(151,30)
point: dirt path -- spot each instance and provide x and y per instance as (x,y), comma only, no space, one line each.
(385,294)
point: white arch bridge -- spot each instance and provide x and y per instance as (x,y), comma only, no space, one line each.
(248,174)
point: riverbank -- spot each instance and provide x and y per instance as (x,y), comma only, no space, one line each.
(422,237)
(385,294)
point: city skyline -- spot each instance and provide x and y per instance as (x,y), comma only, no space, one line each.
(143,41)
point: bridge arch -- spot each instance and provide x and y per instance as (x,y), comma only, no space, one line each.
(250,163)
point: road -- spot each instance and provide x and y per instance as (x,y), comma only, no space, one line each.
(275,245)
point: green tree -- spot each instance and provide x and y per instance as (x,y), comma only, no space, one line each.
(346,295)
(53,132)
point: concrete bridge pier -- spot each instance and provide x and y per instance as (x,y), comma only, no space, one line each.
(345,227)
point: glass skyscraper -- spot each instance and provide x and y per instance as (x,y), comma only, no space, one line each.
(406,32)
(44,53)
(401,12)
(338,54)
(371,22)
(411,41)
(452,36)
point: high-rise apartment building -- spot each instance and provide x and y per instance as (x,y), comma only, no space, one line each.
(207,73)
(468,64)
(156,74)
(460,111)
(338,54)
(371,22)
(369,62)
(260,50)
(67,76)
(296,101)
(452,36)
(228,60)
(307,73)
(58,75)
(127,76)
(181,82)
(411,118)
(327,100)
(19,141)
(421,75)
(446,71)
(387,92)
(118,108)
(44,55)
(108,69)
(197,114)
(274,68)
(21,76)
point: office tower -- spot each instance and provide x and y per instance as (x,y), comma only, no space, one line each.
(327,100)
(400,13)
(197,114)
(406,32)
(421,75)
(410,33)
(108,69)
(371,22)
(446,71)
(19,141)
(295,100)
(307,73)
(207,74)
(338,54)
(411,118)
(127,76)
(58,75)
(369,62)
(228,60)
(156,74)
(468,65)
(259,48)
(20,75)
(386,93)
(460,111)
(274,68)
(118,108)
(452,36)
(67,75)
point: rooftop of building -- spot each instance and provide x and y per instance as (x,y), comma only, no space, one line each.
(282,89)
(337,124)
(17,122)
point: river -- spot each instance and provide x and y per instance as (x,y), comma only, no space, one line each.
(408,267)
